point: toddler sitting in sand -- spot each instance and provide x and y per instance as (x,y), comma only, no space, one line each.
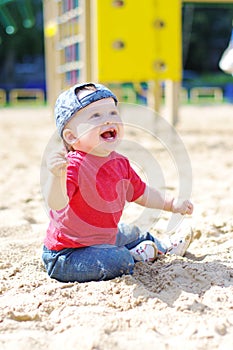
(86,191)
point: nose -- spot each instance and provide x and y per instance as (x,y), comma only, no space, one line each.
(107,123)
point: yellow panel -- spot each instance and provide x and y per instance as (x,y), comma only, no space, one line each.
(170,39)
(138,41)
(210,1)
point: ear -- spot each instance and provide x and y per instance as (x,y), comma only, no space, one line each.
(69,136)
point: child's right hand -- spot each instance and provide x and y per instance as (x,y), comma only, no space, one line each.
(57,162)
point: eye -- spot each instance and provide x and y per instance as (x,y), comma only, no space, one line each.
(113,113)
(95,115)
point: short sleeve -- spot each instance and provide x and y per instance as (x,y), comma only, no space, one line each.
(136,185)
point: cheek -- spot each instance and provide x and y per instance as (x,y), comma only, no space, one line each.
(89,137)
(121,131)
(84,129)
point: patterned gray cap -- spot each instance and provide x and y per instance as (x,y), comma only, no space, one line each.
(68,103)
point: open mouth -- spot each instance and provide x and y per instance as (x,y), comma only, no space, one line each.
(109,135)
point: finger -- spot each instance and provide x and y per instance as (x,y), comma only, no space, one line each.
(60,164)
(57,158)
(63,153)
(57,164)
(189,211)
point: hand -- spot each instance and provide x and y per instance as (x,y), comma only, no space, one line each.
(185,207)
(57,162)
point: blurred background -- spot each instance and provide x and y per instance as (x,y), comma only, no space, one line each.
(206,31)
(22,63)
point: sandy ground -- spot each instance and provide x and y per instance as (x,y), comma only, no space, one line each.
(170,304)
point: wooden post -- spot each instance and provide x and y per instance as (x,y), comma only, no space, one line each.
(172,89)
(154,95)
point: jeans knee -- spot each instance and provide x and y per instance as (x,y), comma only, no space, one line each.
(119,263)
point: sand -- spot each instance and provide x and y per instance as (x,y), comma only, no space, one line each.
(170,304)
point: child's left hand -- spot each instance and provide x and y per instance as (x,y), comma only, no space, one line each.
(185,207)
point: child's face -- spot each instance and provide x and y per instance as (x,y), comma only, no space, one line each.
(97,129)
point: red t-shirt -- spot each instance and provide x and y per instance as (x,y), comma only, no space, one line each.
(98,188)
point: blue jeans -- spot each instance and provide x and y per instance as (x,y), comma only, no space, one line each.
(99,262)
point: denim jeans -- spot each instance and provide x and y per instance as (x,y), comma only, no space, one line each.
(99,262)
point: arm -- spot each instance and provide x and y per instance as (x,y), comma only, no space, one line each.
(152,198)
(55,192)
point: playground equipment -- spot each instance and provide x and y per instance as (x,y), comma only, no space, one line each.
(113,42)
(2,97)
(197,93)
(18,96)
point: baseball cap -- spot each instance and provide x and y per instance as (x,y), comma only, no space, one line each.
(68,103)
